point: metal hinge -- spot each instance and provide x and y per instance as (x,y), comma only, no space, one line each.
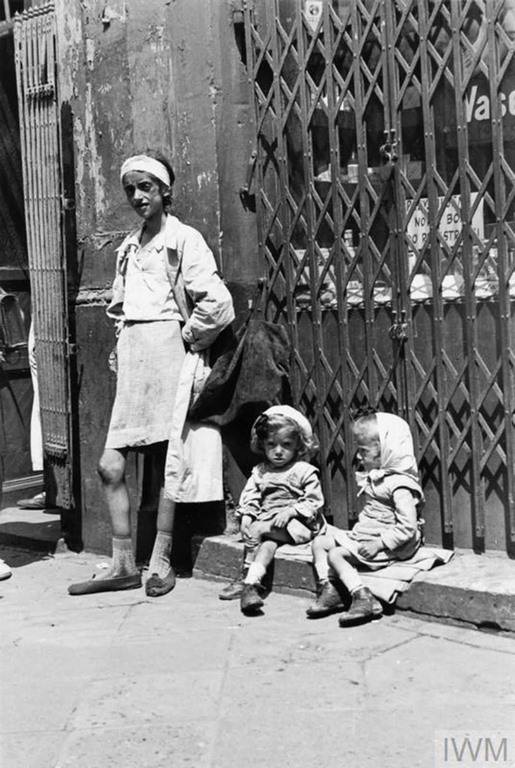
(246,196)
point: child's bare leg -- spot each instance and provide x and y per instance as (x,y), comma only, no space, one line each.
(252,536)
(263,557)
(251,601)
(320,546)
(328,599)
(338,558)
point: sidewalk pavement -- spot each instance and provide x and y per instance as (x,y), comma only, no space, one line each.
(119,680)
(473,589)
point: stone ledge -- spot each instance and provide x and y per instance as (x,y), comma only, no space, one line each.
(475,589)
(30,529)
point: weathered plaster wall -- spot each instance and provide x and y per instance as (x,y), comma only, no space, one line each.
(137,75)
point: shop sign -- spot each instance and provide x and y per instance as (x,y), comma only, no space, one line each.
(450,223)
(477,105)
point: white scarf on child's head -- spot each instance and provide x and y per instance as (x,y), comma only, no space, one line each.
(397,451)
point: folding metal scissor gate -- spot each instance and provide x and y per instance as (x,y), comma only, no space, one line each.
(385,189)
(35,43)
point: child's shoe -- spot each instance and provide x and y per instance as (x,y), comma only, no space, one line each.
(250,601)
(364,607)
(328,601)
(234,589)
(231,591)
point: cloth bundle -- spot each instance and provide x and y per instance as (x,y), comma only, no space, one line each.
(252,369)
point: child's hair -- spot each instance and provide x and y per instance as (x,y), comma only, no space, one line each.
(363,412)
(265,426)
(364,426)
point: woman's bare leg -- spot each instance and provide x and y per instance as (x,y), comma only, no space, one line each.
(111,469)
(161,575)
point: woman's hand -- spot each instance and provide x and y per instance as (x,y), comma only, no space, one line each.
(370,549)
(282,518)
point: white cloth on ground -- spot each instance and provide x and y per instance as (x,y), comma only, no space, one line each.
(389,582)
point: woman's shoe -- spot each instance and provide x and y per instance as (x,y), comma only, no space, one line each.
(155,586)
(364,607)
(112,584)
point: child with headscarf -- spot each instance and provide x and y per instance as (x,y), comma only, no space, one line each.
(388,528)
(282,500)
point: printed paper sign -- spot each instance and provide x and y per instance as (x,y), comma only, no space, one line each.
(450,224)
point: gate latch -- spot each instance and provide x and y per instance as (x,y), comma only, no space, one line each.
(246,196)
(388,153)
(399,328)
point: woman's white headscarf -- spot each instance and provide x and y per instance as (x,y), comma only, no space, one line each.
(145,164)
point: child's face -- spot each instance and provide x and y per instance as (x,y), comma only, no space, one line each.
(281,447)
(368,448)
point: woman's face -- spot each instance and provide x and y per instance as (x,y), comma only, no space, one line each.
(144,194)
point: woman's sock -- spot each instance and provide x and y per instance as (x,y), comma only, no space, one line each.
(123,559)
(160,560)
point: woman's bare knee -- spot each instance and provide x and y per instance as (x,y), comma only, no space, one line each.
(111,467)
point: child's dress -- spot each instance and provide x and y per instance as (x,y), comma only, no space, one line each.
(400,533)
(270,490)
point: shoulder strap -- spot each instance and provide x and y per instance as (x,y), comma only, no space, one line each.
(173,265)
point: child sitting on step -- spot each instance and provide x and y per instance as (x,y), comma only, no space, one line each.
(282,500)
(388,527)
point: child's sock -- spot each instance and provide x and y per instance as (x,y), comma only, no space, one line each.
(255,574)
(160,559)
(249,554)
(355,588)
(322,571)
